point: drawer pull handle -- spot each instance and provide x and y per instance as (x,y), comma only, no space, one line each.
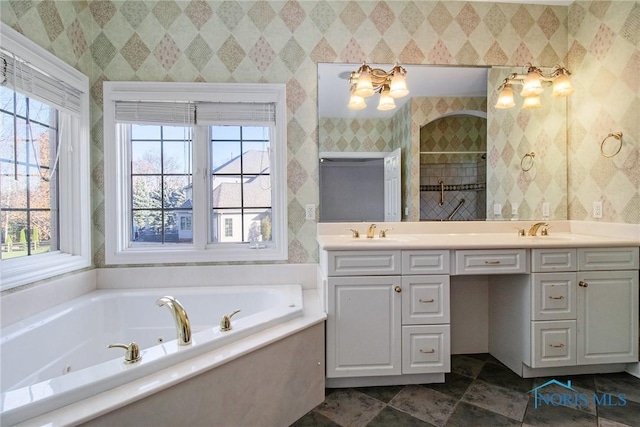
(428,351)
(426,300)
(398,289)
(556,345)
(552,297)
(492,262)
(583,284)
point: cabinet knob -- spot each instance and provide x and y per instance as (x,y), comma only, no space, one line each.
(398,289)
(583,284)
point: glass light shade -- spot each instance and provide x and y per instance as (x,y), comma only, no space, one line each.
(398,87)
(531,102)
(364,87)
(561,86)
(356,102)
(505,99)
(386,102)
(532,84)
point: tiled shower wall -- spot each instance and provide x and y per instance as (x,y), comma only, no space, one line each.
(281,42)
(462,173)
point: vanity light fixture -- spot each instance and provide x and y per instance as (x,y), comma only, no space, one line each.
(367,81)
(533,82)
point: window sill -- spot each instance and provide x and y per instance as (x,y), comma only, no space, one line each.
(188,254)
(22,271)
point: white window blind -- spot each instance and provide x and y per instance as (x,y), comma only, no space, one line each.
(235,113)
(25,78)
(146,112)
(201,113)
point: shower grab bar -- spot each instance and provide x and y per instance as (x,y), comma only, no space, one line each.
(458,206)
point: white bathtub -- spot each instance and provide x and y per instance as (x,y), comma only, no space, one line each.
(60,356)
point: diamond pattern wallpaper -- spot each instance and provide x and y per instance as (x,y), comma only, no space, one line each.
(512,134)
(281,42)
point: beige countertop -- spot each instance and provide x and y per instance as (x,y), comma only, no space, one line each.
(478,235)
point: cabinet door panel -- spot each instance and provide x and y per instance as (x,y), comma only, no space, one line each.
(363,327)
(607,317)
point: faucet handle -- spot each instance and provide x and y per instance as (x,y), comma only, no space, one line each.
(225,322)
(354,233)
(132,354)
(545,230)
(383,232)
(520,231)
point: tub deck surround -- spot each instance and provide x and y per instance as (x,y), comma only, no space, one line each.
(279,311)
(477,235)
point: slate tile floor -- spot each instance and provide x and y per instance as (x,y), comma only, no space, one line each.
(480,391)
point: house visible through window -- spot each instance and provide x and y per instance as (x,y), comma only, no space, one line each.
(228,227)
(241,182)
(161,159)
(206,172)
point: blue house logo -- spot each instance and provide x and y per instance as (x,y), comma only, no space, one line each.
(572,398)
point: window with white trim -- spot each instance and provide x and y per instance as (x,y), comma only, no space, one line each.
(44,163)
(184,161)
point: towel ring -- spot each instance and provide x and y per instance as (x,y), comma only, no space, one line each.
(616,135)
(527,161)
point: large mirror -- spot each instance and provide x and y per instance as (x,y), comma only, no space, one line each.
(461,158)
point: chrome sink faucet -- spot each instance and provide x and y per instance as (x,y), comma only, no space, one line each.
(179,316)
(371,231)
(534,228)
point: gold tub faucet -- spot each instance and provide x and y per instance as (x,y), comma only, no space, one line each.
(179,316)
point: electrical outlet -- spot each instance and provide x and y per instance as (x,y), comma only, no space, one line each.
(310,211)
(545,210)
(596,210)
(497,209)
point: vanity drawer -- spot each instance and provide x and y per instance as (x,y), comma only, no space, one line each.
(426,349)
(425,299)
(553,343)
(607,259)
(553,296)
(363,263)
(554,260)
(426,262)
(479,261)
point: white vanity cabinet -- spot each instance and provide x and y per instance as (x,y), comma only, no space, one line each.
(388,315)
(579,307)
